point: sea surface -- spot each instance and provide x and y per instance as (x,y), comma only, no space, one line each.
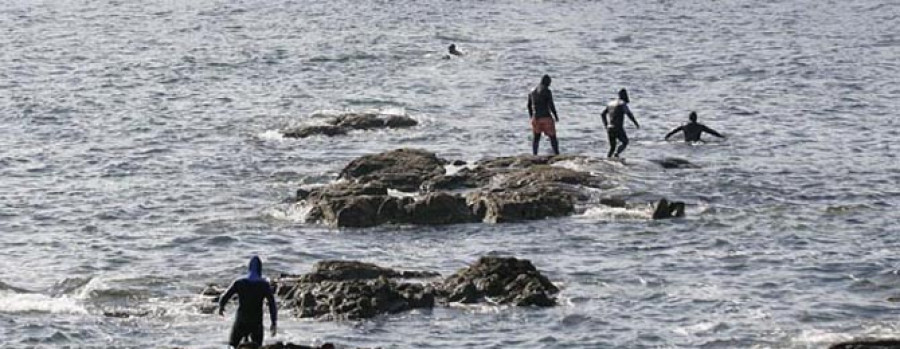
(140,160)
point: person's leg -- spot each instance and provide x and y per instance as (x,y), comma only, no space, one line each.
(237,333)
(623,139)
(256,335)
(535,143)
(555,144)
(612,142)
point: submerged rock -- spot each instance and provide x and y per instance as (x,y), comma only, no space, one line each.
(868,344)
(342,124)
(505,280)
(673,163)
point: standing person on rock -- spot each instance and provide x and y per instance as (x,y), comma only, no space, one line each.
(615,126)
(251,291)
(543,115)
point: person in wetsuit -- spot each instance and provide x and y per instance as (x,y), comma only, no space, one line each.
(251,291)
(542,113)
(693,130)
(453,51)
(615,126)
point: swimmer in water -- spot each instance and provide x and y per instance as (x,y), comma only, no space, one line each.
(453,51)
(693,130)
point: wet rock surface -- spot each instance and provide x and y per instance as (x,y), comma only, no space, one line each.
(504,280)
(352,290)
(506,189)
(344,123)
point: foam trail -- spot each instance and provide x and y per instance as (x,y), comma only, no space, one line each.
(11,302)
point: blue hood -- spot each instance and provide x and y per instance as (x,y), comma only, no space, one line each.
(255,268)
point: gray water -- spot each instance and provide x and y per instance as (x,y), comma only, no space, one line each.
(139,161)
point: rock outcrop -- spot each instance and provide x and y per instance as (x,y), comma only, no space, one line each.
(502,280)
(506,189)
(344,123)
(352,290)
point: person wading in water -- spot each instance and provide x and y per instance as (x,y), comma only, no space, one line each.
(615,126)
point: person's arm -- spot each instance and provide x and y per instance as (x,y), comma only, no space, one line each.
(679,128)
(225,297)
(712,132)
(530,107)
(603,117)
(552,106)
(631,116)
(273,309)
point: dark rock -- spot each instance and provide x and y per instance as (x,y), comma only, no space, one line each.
(395,210)
(441,208)
(402,169)
(363,121)
(354,270)
(665,209)
(868,344)
(548,175)
(674,163)
(308,131)
(302,194)
(613,202)
(458,163)
(399,121)
(351,211)
(359,299)
(504,280)
(463,179)
(519,205)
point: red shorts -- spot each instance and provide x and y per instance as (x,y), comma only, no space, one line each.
(543,125)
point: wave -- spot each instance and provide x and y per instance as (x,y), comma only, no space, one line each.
(17,303)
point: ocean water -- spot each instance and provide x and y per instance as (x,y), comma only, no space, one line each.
(140,161)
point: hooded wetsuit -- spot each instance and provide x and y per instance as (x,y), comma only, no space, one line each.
(251,291)
(615,127)
(693,130)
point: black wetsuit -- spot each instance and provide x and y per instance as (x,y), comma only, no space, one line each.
(540,103)
(249,319)
(615,127)
(693,130)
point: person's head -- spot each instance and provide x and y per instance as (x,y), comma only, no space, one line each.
(545,80)
(255,267)
(452,48)
(693,116)
(623,95)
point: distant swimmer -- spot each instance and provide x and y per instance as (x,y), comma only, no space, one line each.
(453,51)
(542,113)
(251,292)
(693,130)
(615,126)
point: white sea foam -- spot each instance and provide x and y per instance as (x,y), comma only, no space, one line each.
(271,135)
(603,213)
(11,302)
